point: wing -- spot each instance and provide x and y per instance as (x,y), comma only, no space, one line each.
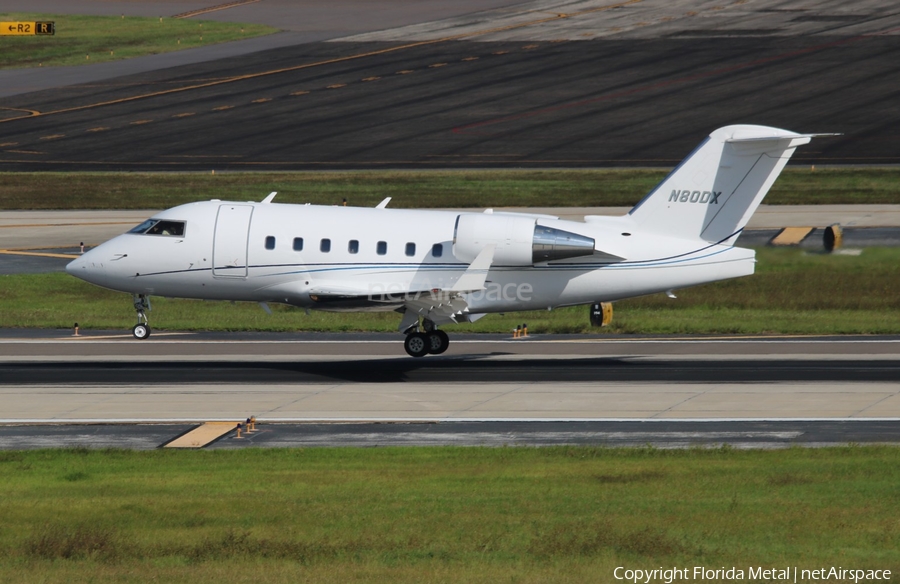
(440,305)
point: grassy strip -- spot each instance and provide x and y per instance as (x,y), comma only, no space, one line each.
(566,514)
(110,38)
(414,189)
(792,292)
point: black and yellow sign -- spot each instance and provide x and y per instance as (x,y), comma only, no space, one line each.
(27,28)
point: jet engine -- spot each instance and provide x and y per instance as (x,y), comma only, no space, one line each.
(519,240)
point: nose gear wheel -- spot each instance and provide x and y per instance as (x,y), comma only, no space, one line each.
(141,330)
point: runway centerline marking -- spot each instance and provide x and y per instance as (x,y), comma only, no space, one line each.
(324,62)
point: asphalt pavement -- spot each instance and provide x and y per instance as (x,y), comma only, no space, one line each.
(655,434)
(456,104)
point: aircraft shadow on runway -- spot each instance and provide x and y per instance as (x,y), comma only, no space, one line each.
(454,368)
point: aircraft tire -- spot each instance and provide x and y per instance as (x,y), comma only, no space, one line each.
(141,331)
(416,344)
(438,341)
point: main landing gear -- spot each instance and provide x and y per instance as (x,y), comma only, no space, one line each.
(141,330)
(431,340)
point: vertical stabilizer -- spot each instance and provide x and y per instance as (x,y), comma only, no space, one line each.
(714,191)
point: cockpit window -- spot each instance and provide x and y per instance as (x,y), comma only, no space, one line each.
(160,227)
(143,227)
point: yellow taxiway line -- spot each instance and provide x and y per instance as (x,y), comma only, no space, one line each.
(214,8)
(39,254)
(17,225)
(89,337)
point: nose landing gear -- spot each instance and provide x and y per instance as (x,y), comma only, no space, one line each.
(141,330)
(431,340)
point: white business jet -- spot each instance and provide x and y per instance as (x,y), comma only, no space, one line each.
(440,267)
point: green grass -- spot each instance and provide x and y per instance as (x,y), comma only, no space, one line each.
(561,514)
(414,189)
(109,38)
(792,292)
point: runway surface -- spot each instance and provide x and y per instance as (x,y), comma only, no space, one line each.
(283,377)
(537,84)
(463,102)
(361,390)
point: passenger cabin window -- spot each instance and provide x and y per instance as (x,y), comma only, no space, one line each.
(437,250)
(381,248)
(410,249)
(160,227)
(325,245)
(270,242)
(353,246)
(298,244)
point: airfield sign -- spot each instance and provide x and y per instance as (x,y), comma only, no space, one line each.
(27,28)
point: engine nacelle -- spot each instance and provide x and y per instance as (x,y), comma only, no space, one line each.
(511,235)
(518,241)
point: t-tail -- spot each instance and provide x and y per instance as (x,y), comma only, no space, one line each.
(713,192)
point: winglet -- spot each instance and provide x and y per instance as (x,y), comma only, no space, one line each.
(383,203)
(475,275)
(271,196)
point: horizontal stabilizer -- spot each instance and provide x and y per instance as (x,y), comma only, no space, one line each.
(776,138)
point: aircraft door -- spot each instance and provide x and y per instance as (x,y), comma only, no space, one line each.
(230,241)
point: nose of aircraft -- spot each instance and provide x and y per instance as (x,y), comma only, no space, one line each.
(105,265)
(88,267)
(75,266)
